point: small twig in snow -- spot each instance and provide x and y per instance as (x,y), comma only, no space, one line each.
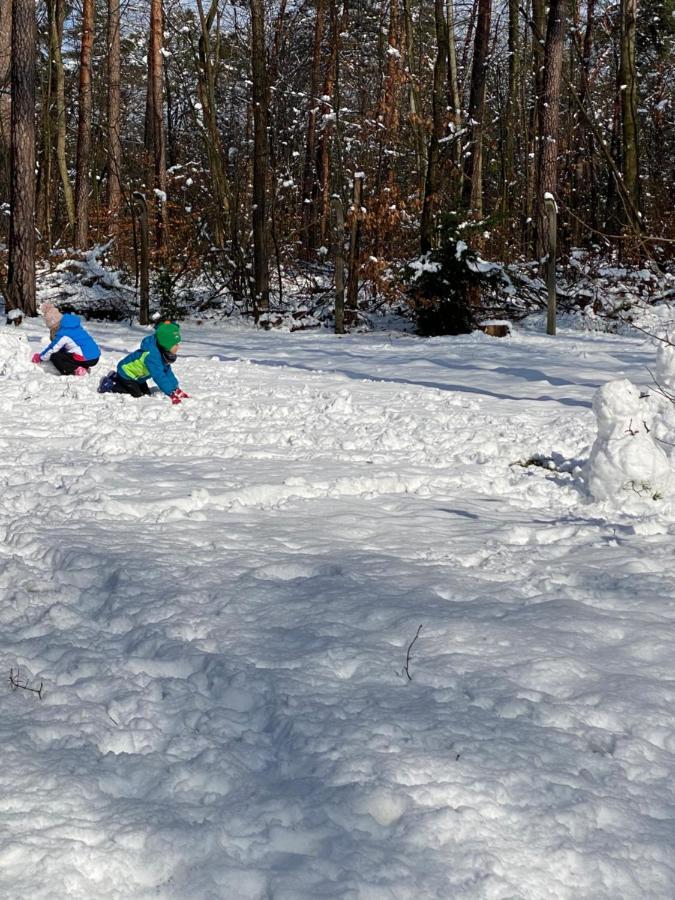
(406,667)
(15,683)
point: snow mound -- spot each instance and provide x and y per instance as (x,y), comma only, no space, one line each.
(625,460)
(15,356)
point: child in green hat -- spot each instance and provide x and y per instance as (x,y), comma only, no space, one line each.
(152,360)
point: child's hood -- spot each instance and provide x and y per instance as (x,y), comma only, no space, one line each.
(69,322)
(149,342)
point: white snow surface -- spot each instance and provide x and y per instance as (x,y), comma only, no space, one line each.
(219,598)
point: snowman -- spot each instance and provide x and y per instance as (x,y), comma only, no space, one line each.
(625,457)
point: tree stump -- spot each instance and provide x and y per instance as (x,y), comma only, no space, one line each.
(495,329)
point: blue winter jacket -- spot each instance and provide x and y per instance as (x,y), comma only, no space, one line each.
(72,338)
(148,362)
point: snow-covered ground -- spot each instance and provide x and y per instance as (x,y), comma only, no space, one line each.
(218,600)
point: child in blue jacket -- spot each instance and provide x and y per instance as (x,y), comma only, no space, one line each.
(72,350)
(152,360)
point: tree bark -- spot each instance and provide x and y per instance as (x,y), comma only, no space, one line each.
(454,97)
(388,113)
(538,39)
(43,211)
(154,125)
(5,101)
(512,115)
(355,216)
(82,179)
(549,117)
(114,117)
(328,112)
(585,167)
(208,59)
(140,208)
(56,40)
(473,168)
(415,115)
(629,101)
(21,271)
(309,177)
(261,276)
(438,103)
(339,259)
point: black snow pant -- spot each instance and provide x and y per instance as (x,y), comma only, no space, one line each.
(128,386)
(65,363)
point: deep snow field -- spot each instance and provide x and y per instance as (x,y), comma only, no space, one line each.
(218,600)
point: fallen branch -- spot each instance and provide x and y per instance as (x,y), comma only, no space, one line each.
(16,683)
(406,667)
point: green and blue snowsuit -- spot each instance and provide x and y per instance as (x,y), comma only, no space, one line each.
(146,363)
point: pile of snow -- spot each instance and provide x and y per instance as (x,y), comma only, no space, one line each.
(625,459)
(15,355)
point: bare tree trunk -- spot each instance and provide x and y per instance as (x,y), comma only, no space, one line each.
(56,39)
(82,180)
(628,93)
(538,38)
(339,258)
(355,216)
(261,276)
(154,125)
(140,209)
(21,276)
(273,129)
(43,212)
(416,121)
(512,112)
(208,60)
(308,180)
(438,103)
(473,168)
(5,102)
(585,169)
(114,117)
(327,114)
(454,101)
(388,113)
(552,217)
(549,116)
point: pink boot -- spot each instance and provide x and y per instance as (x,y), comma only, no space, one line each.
(80,370)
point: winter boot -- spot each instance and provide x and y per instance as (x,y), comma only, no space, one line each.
(107,383)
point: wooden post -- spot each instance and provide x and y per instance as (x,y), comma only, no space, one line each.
(141,213)
(552,216)
(339,255)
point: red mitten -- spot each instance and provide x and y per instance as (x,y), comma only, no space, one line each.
(36,358)
(175,399)
(181,394)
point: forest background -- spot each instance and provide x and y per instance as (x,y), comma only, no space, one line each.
(271,142)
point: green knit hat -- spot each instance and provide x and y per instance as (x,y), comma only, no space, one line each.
(168,335)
